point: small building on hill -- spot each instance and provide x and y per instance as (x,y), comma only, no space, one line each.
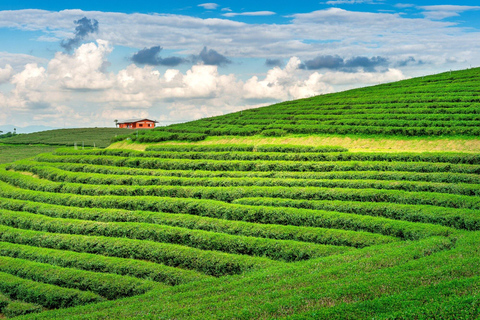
(137,124)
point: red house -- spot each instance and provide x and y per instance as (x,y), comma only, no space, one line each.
(137,124)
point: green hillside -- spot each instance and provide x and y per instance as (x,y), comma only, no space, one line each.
(99,137)
(209,230)
(446,104)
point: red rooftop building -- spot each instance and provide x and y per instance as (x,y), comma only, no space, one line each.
(137,124)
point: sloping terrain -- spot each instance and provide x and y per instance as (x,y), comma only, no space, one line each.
(305,228)
(98,137)
(230,231)
(446,104)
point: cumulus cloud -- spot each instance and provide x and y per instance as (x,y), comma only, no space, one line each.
(287,83)
(328,62)
(82,30)
(274,62)
(211,57)
(332,32)
(49,95)
(408,61)
(351,65)
(367,64)
(6,73)
(150,56)
(84,69)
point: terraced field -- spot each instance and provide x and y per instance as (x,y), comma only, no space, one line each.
(238,231)
(446,104)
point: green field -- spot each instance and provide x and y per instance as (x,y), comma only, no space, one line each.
(10,153)
(98,137)
(220,229)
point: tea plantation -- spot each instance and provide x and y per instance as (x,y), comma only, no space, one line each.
(229,231)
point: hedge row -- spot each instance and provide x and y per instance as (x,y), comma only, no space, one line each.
(237,165)
(279,232)
(20,308)
(435,157)
(284,148)
(413,117)
(386,123)
(110,286)
(134,173)
(455,218)
(158,136)
(58,175)
(47,295)
(249,130)
(98,263)
(216,209)
(284,250)
(208,262)
(282,129)
(232,193)
(4,301)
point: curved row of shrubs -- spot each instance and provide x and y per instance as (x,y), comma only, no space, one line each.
(144,176)
(334,156)
(58,175)
(237,165)
(99,263)
(218,209)
(208,262)
(284,250)
(232,193)
(279,232)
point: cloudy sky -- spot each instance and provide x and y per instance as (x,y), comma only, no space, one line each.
(84,64)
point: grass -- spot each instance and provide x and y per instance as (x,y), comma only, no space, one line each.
(351,142)
(408,261)
(10,153)
(98,137)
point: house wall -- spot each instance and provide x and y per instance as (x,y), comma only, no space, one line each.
(138,125)
(144,125)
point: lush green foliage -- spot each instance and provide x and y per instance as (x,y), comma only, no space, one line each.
(10,153)
(118,223)
(99,137)
(7,135)
(242,231)
(19,308)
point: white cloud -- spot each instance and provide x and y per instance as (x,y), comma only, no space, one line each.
(83,69)
(253,14)
(329,32)
(18,60)
(209,6)
(284,84)
(439,12)
(334,2)
(404,5)
(5,73)
(77,84)
(40,88)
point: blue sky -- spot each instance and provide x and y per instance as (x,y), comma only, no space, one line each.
(86,64)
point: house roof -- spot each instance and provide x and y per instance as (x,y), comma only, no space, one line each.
(136,120)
